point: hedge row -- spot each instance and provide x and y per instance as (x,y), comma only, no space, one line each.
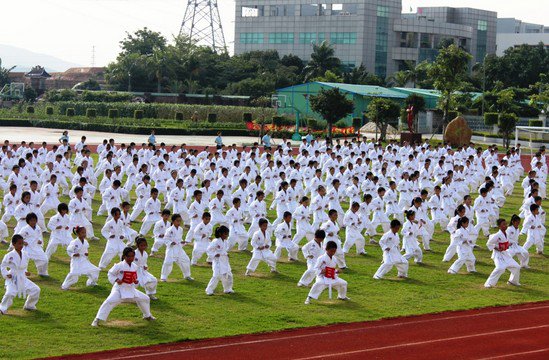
(164,111)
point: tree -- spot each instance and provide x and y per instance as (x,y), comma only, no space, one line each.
(322,59)
(329,77)
(361,76)
(30,94)
(91,84)
(383,112)
(448,72)
(5,75)
(143,42)
(332,105)
(507,123)
(400,78)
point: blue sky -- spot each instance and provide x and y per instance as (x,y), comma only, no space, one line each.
(68,29)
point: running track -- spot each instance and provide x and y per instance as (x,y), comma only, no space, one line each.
(511,332)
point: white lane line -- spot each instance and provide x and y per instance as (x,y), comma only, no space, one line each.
(516,354)
(290,336)
(422,342)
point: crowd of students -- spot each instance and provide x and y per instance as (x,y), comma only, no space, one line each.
(214,201)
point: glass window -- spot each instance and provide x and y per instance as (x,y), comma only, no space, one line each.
(252,10)
(311,38)
(382,11)
(425,41)
(251,38)
(344,9)
(482,25)
(281,38)
(343,38)
(282,10)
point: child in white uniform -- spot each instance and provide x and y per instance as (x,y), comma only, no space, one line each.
(14,271)
(302,216)
(498,243)
(410,233)
(174,250)
(159,231)
(331,228)
(261,244)
(354,225)
(60,230)
(34,244)
(152,212)
(534,229)
(283,238)
(114,231)
(464,248)
(515,249)
(311,252)
(80,264)
(390,243)
(124,276)
(201,238)
(218,251)
(323,279)
(146,279)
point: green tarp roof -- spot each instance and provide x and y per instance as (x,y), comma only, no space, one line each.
(366,90)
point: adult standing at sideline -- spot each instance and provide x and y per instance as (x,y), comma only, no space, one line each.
(266,141)
(152,138)
(218,141)
(309,137)
(64,136)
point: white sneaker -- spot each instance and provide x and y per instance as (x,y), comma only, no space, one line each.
(153,297)
(344,298)
(189,278)
(247,273)
(301,285)
(150,318)
(307,301)
(95,323)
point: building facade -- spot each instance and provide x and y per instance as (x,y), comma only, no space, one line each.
(370,32)
(512,32)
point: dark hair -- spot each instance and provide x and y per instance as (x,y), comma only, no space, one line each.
(331,245)
(395,223)
(76,229)
(166,212)
(31,216)
(499,221)
(262,221)
(15,238)
(127,250)
(286,214)
(62,207)
(332,211)
(459,209)
(206,215)
(320,234)
(461,221)
(139,240)
(221,230)
(534,207)
(115,210)
(175,217)
(409,214)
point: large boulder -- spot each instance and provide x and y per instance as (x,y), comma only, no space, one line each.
(458,132)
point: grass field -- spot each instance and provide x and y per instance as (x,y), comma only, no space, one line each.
(264,302)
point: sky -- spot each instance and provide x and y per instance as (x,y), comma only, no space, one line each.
(70,29)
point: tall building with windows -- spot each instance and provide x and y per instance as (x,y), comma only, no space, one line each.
(512,32)
(370,32)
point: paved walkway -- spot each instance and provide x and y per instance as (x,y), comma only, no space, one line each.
(51,136)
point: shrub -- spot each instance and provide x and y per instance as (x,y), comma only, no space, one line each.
(491,118)
(179,116)
(507,124)
(70,112)
(247,117)
(535,122)
(452,115)
(30,109)
(113,113)
(91,113)
(341,123)
(278,120)
(138,114)
(315,124)
(212,117)
(49,110)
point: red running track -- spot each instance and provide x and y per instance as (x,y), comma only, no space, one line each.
(511,332)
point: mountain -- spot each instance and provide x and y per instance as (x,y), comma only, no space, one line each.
(25,60)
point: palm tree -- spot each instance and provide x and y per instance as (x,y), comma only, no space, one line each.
(4,75)
(400,78)
(322,60)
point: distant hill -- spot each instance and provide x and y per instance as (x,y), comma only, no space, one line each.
(25,60)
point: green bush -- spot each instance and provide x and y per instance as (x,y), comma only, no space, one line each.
(113,113)
(247,117)
(70,112)
(535,122)
(491,118)
(278,120)
(341,123)
(49,110)
(179,116)
(138,114)
(212,118)
(91,113)
(105,96)
(232,114)
(30,109)
(315,124)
